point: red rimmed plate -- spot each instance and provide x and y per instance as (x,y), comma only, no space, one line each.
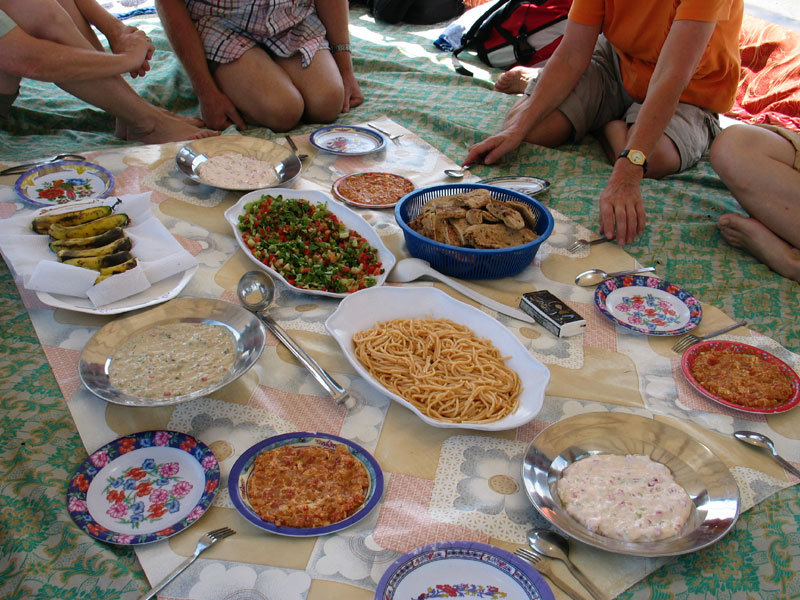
(372,189)
(689,357)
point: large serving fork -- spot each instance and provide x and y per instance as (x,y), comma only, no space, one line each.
(203,544)
(691,339)
(543,566)
(581,244)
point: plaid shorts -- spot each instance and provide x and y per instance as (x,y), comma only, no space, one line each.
(229,28)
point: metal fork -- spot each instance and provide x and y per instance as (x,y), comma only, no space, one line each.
(19,169)
(203,544)
(581,244)
(691,339)
(543,566)
(391,137)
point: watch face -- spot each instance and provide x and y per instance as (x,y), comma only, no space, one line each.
(636,157)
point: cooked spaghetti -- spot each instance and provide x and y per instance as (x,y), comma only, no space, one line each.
(441,368)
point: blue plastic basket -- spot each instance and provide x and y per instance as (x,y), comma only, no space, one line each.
(470,263)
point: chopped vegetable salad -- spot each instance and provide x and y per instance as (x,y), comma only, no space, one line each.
(308,245)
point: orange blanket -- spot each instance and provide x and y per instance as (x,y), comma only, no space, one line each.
(769,86)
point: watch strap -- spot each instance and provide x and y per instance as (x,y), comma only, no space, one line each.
(340,48)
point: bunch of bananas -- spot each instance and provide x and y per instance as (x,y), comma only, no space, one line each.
(91,238)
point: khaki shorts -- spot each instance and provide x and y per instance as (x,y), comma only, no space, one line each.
(599,98)
(793,137)
(6,100)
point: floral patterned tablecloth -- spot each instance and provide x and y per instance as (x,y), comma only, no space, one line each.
(441,484)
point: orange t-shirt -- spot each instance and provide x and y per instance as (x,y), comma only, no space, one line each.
(638,29)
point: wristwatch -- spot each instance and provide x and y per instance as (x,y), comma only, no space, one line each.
(340,48)
(636,157)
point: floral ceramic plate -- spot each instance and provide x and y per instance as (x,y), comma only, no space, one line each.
(243,468)
(64,181)
(461,569)
(143,487)
(689,357)
(347,139)
(648,305)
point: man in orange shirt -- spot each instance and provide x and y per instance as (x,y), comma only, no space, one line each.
(651,85)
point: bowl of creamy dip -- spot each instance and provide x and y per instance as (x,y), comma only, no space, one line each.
(175,352)
(630,484)
(238,163)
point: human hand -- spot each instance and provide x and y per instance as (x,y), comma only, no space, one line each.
(218,111)
(135,43)
(621,204)
(493,148)
(352,94)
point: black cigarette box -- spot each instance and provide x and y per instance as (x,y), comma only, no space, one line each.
(552,313)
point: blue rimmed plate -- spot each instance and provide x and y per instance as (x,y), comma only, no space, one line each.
(64,181)
(459,569)
(143,487)
(243,468)
(349,140)
(648,305)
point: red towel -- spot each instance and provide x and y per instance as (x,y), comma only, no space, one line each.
(769,85)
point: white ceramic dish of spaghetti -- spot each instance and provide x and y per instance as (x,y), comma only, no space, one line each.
(366,308)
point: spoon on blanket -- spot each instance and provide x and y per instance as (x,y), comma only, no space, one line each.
(553,545)
(256,290)
(598,276)
(762,441)
(457,173)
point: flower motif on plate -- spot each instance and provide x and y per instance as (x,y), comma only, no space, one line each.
(647,310)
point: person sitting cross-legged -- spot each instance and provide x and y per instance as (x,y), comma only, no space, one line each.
(49,40)
(650,87)
(761,167)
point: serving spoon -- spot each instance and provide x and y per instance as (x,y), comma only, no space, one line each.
(457,173)
(597,276)
(761,441)
(552,545)
(409,269)
(256,291)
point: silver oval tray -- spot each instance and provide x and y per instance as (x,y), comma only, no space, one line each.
(285,162)
(705,477)
(96,358)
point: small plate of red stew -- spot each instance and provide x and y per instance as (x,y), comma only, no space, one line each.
(305,484)
(741,377)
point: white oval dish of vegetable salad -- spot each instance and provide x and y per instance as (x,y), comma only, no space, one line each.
(295,237)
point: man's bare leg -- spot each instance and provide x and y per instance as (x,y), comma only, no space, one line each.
(552,132)
(137,119)
(756,165)
(278,92)
(515,80)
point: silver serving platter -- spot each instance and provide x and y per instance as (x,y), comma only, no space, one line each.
(705,477)
(98,355)
(285,162)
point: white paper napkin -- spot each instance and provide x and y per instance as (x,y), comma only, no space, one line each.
(158,253)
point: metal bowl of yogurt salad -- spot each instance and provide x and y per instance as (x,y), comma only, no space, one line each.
(239,163)
(705,478)
(175,352)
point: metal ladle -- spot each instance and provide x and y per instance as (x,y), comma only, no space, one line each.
(256,290)
(597,276)
(552,545)
(762,441)
(457,173)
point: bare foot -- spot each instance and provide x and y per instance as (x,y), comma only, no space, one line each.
(761,242)
(166,127)
(514,81)
(195,121)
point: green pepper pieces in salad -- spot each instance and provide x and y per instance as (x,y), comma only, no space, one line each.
(308,245)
